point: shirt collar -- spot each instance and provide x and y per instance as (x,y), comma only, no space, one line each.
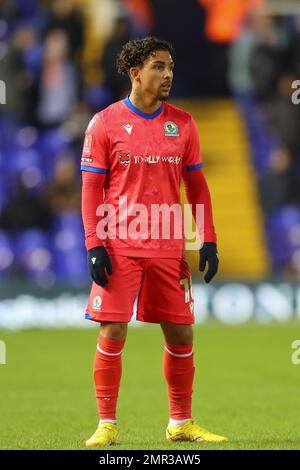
(141,113)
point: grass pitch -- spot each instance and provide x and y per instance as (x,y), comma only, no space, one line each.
(245,388)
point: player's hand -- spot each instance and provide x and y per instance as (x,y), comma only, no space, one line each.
(209,255)
(99,264)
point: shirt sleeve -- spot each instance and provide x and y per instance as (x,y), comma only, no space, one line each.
(92,198)
(192,157)
(197,193)
(95,152)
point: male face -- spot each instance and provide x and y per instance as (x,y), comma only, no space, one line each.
(155,76)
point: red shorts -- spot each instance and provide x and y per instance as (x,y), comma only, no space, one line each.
(164,288)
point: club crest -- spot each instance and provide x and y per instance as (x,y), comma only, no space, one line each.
(171,129)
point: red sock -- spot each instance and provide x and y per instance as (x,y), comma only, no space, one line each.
(107,375)
(178,366)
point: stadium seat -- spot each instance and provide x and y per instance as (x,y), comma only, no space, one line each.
(26,8)
(69,253)
(33,252)
(6,254)
(5,189)
(282,243)
(50,145)
(98,97)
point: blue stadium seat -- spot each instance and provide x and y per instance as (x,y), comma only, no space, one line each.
(6,254)
(69,254)
(51,144)
(26,8)
(33,254)
(282,243)
(98,97)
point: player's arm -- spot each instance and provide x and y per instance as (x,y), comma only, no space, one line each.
(197,192)
(94,166)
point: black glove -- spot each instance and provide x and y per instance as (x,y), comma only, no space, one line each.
(209,254)
(98,261)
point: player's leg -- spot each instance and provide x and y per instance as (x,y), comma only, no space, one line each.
(175,333)
(173,307)
(107,378)
(107,372)
(111,306)
(114,330)
(108,368)
(179,370)
(178,367)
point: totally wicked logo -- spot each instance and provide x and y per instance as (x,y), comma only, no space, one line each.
(171,129)
(157,158)
(125,159)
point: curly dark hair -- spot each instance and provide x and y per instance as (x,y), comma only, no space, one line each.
(136,51)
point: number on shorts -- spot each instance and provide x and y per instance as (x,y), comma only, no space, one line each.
(188,291)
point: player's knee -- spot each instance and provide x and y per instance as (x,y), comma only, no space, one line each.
(178,334)
(185,336)
(114,330)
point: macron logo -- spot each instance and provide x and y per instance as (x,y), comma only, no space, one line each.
(128,128)
(94,260)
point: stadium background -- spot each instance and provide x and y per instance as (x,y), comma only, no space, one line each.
(236,61)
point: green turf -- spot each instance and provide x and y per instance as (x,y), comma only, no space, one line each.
(245,388)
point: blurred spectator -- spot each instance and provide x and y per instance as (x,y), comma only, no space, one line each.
(277,176)
(283,116)
(140,13)
(24,211)
(182,25)
(293,48)
(63,193)
(224,21)
(118,84)
(58,85)
(240,53)
(63,15)
(267,58)
(226,17)
(75,126)
(8,12)
(20,82)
